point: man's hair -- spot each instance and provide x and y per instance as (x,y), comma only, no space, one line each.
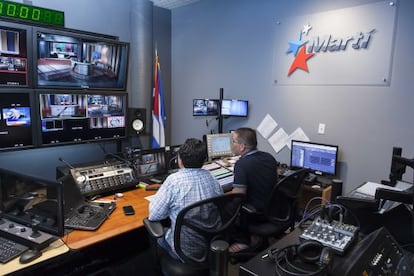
(193,153)
(247,136)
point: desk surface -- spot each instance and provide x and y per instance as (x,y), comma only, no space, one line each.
(53,250)
(117,223)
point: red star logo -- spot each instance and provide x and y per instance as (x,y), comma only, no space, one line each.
(300,61)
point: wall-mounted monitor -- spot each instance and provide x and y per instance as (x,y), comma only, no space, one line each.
(70,59)
(321,159)
(237,108)
(78,117)
(15,55)
(219,145)
(16,119)
(206,107)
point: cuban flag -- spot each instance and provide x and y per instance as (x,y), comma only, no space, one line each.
(158,110)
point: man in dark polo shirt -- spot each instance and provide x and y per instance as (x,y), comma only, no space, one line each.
(255,174)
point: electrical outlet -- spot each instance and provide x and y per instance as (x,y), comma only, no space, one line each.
(321,128)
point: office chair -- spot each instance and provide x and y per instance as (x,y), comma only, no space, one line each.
(203,232)
(280,214)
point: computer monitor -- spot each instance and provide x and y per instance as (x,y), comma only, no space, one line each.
(15,55)
(234,108)
(172,157)
(205,107)
(32,201)
(149,162)
(320,159)
(78,117)
(16,119)
(72,59)
(219,145)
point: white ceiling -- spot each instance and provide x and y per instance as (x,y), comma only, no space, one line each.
(171,4)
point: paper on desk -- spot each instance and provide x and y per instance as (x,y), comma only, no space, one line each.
(370,188)
(150,197)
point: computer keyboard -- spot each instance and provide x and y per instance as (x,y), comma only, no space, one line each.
(10,249)
(88,216)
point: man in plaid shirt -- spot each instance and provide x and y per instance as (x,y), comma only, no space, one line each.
(188,185)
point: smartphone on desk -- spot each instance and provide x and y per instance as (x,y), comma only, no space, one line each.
(128,210)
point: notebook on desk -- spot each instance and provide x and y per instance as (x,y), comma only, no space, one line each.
(80,213)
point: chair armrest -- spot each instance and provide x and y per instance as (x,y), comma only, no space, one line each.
(154,228)
(248,208)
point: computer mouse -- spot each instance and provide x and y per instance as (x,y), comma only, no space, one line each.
(29,256)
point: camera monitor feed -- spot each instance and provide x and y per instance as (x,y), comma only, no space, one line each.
(15,121)
(205,107)
(82,117)
(237,108)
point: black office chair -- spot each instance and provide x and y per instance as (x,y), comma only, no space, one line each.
(280,214)
(203,232)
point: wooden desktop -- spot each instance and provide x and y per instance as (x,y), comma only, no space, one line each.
(117,223)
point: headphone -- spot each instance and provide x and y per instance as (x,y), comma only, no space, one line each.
(308,258)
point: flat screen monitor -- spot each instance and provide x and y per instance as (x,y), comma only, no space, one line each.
(15,55)
(150,162)
(172,156)
(81,117)
(236,108)
(219,145)
(16,119)
(321,159)
(205,107)
(32,201)
(79,61)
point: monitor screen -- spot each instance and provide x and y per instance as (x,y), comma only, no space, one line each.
(321,159)
(16,122)
(15,54)
(78,117)
(237,108)
(219,145)
(172,156)
(205,107)
(30,200)
(77,60)
(150,162)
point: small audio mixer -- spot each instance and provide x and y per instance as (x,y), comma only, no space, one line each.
(335,234)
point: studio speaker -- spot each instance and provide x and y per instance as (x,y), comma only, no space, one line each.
(137,120)
(336,189)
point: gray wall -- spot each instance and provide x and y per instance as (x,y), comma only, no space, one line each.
(228,44)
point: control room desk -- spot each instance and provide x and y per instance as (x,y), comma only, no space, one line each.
(117,223)
(308,193)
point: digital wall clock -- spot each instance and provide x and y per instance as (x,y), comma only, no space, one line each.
(29,13)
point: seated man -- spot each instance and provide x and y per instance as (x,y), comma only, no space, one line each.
(188,185)
(255,174)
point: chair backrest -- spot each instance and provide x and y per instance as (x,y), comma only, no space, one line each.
(200,223)
(283,204)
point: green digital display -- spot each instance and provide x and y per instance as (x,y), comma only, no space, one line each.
(31,13)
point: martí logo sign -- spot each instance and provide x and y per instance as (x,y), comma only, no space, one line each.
(303,50)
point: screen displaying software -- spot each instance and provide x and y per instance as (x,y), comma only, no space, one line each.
(319,158)
(219,145)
